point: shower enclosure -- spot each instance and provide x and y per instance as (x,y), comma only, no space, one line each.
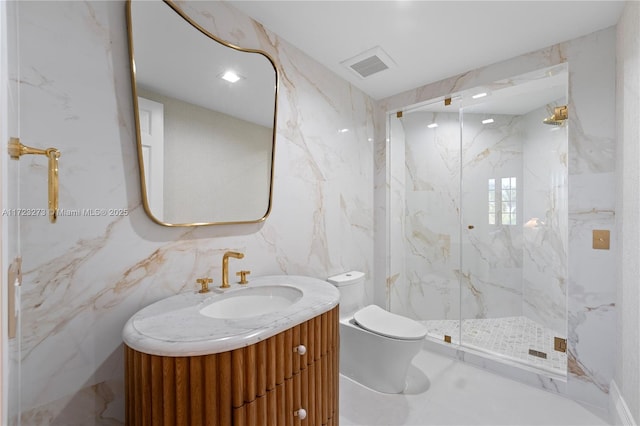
(479,218)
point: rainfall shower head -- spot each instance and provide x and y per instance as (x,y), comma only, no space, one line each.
(559,116)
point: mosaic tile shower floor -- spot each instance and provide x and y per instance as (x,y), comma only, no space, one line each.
(509,337)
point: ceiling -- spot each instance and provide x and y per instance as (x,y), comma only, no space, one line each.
(426,40)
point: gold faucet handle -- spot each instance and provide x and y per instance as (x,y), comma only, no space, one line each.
(204,282)
(243,277)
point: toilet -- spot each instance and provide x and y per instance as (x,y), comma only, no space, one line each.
(376,346)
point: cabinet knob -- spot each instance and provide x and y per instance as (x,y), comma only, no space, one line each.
(302,413)
(301,349)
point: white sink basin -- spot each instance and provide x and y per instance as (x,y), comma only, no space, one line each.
(194,324)
(251,302)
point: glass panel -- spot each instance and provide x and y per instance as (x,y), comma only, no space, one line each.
(502,311)
(424,219)
(456,252)
(11,252)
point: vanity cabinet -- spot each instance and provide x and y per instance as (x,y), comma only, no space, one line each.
(267,383)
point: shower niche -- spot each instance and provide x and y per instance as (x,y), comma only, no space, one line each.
(479,218)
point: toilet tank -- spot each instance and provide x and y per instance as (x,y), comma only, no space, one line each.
(351,287)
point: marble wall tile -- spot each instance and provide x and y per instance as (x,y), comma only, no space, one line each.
(627,368)
(85,276)
(545,219)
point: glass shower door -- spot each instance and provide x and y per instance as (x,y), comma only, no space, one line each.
(424,147)
(514,221)
(11,250)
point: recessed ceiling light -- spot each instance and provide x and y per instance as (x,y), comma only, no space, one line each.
(487,121)
(343,130)
(432,125)
(479,95)
(230,76)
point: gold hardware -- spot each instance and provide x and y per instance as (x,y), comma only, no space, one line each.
(399,114)
(17,149)
(144,186)
(447,101)
(537,353)
(447,338)
(204,283)
(225,266)
(14,279)
(470,226)
(560,344)
(601,239)
(243,277)
(561,113)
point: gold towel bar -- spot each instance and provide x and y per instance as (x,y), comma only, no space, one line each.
(17,149)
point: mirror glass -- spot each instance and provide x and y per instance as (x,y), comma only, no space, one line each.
(205,143)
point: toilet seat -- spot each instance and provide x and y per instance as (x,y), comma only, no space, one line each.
(379,321)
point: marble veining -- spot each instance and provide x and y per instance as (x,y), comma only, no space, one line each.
(84,277)
(75,94)
(175,326)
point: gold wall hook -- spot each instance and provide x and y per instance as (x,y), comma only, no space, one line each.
(17,149)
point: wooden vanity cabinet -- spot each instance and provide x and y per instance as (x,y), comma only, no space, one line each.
(266,383)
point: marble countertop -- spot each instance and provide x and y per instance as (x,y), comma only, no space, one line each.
(175,327)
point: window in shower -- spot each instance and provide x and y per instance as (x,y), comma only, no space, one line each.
(503,201)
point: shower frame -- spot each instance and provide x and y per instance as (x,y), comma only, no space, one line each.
(466,104)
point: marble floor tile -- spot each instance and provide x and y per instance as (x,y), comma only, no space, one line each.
(509,337)
(445,391)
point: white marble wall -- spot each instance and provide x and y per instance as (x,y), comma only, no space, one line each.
(545,219)
(426,195)
(591,285)
(627,371)
(491,262)
(85,276)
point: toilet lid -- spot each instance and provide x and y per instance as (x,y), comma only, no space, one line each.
(379,321)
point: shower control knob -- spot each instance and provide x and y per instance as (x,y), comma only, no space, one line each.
(302,349)
(302,413)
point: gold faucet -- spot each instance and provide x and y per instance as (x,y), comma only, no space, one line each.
(225,266)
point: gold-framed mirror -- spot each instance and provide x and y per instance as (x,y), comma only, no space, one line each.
(206,145)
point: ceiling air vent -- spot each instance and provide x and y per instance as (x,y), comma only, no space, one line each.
(370,62)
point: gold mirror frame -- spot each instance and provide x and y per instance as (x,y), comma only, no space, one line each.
(143,185)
